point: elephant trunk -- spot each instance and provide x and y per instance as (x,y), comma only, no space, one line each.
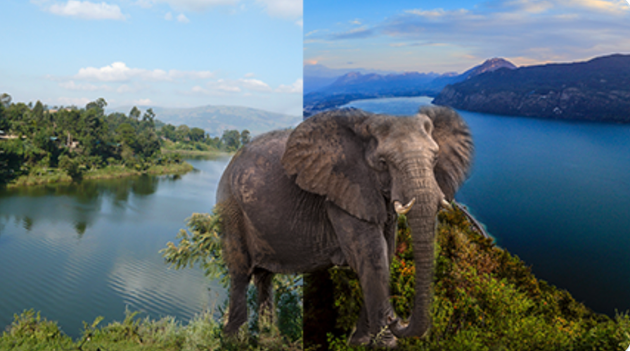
(421,219)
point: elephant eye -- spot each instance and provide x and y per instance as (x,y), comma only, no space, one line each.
(428,126)
(382,164)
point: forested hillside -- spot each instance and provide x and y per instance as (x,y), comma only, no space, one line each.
(47,144)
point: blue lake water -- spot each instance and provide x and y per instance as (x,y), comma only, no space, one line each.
(76,252)
(555,193)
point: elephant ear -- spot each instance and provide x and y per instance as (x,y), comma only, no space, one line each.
(455,155)
(326,154)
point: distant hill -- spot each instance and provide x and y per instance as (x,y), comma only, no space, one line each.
(216,119)
(356,85)
(595,90)
(318,76)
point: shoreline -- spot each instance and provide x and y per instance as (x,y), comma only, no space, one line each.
(184,153)
(110,172)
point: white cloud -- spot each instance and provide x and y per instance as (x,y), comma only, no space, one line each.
(255,84)
(168,16)
(249,75)
(143,102)
(291,9)
(229,88)
(300,22)
(87,10)
(182,18)
(296,87)
(119,72)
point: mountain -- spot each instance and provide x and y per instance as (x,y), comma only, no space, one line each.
(318,76)
(594,90)
(216,119)
(357,85)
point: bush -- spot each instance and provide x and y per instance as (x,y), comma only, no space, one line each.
(484,299)
(72,167)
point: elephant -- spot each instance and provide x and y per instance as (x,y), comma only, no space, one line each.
(328,193)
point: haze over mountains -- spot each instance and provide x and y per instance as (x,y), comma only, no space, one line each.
(594,90)
(357,85)
(215,119)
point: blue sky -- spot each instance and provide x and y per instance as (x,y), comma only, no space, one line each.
(170,53)
(447,36)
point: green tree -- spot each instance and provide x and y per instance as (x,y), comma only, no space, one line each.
(98,105)
(148,119)
(197,134)
(183,133)
(134,114)
(168,131)
(72,167)
(126,134)
(4,121)
(245,137)
(231,139)
(5,100)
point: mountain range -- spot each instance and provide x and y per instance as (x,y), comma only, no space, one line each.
(594,90)
(357,85)
(215,119)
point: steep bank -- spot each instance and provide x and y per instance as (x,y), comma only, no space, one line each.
(595,90)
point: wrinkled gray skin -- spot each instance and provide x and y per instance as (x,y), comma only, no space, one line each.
(323,194)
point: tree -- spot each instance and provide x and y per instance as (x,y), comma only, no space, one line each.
(5,100)
(134,114)
(149,118)
(231,139)
(4,121)
(245,137)
(99,105)
(168,131)
(183,133)
(197,134)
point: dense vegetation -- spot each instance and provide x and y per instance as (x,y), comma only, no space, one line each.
(184,138)
(484,299)
(42,145)
(51,144)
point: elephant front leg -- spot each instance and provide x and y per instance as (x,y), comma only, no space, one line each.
(366,251)
(361,334)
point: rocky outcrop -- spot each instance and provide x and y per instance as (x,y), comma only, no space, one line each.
(596,90)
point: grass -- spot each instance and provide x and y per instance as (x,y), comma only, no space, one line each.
(39,176)
(30,331)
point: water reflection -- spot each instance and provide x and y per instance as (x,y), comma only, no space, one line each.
(77,203)
(78,251)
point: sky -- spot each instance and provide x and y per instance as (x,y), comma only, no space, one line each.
(167,53)
(453,36)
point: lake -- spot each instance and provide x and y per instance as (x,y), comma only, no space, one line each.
(76,252)
(555,193)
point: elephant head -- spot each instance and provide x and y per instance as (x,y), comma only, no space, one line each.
(365,162)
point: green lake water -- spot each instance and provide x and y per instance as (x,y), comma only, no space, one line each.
(76,252)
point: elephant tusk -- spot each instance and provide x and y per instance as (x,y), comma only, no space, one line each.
(446,204)
(400,209)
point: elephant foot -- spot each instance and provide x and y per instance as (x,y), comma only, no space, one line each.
(384,339)
(359,339)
